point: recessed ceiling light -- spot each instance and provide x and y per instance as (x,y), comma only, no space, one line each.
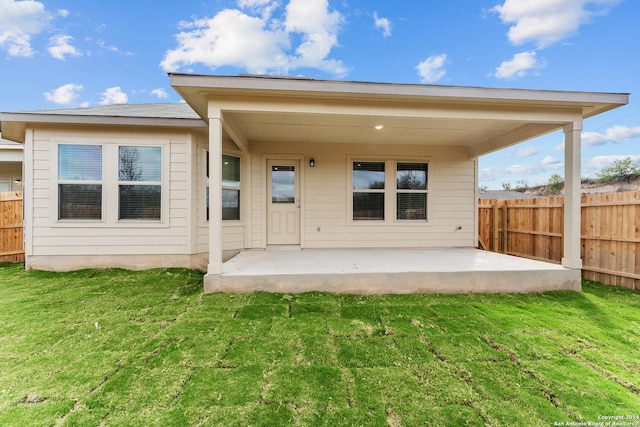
(378,127)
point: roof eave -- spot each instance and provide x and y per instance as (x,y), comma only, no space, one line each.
(13,121)
(195,89)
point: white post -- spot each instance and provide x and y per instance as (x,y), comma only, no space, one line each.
(215,191)
(572,195)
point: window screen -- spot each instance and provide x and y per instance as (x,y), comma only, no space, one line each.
(140,175)
(368,190)
(411,191)
(79,181)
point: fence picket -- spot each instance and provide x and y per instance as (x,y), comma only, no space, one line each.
(610,230)
(11,228)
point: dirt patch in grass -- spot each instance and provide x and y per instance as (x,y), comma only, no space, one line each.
(113,347)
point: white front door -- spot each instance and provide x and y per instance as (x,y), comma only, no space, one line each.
(283,202)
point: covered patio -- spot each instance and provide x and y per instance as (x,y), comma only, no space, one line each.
(389,271)
(346,146)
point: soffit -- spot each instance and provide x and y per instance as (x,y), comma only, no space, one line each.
(330,128)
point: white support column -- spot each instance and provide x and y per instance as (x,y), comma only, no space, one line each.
(572,195)
(215,191)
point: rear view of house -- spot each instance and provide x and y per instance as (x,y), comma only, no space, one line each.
(255,163)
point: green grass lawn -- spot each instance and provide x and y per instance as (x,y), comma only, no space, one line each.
(112,347)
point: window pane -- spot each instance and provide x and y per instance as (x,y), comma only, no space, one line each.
(230,171)
(283,185)
(80,201)
(368,206)
(140,164)
(368,175)
(230,204)
(411,176)
(80,162)
(140,202)
(411,206)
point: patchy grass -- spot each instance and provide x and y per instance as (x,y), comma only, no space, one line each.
(112,347)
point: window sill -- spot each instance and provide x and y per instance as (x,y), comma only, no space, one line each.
(104,224)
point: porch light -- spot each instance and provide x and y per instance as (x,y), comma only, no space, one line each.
(378,127)
(17,181)
(312,163)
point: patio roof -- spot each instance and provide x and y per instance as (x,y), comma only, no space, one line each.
(266,108)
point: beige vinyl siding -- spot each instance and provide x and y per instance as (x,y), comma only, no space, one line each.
(326,197)
(84,238)
(233,232)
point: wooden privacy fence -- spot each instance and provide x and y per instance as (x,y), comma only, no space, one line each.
(532,228)
(11,231)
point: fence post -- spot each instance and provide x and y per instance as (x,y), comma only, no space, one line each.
(505,225)
(495,232)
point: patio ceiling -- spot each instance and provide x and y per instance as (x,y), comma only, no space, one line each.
(259,108)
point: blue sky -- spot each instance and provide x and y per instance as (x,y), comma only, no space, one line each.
(70,53)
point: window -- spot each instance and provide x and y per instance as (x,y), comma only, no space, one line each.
(368,190)
(411,191)
(79,181)
(139,182)
(376,195)
(230,188)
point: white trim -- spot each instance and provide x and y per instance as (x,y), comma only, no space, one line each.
(265,191)
(110,183)
(390,200)
(244,204)
(27,195)
(192,191)
(291,85)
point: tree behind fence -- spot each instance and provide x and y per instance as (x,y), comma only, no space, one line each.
(532,228)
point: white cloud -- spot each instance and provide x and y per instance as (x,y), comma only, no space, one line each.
(432,69)
(114,95)
(552,161)
(65,94)
(19,22)
(525,152)
(160,93)
(260,44)
(319,29)
(383,23)
(60,45)
(613,134)
(548,164)
(106,46)
(545,22)
(518,66)
(598,163)
(264,7)
(63,13)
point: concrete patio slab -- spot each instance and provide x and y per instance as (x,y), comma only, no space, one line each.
(389,271)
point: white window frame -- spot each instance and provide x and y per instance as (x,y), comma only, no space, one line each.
(390,191)
(205,185)
(150,183)
(110,182)
(58,182)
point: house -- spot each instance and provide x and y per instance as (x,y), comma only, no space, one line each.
(256,162)
(10,165)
